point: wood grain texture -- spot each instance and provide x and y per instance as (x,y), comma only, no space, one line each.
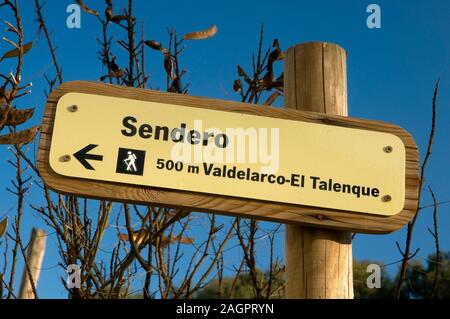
(35,257)
(270,211)
(319,262)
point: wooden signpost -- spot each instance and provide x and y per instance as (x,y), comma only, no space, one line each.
(367,185)
(316,169)
(318,261)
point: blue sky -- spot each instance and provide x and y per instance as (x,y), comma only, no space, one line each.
(391,76)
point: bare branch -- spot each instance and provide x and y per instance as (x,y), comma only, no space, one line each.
(406,254)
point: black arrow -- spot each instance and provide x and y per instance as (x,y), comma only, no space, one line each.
(82,156)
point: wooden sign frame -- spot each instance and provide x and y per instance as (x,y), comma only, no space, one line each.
(225,205)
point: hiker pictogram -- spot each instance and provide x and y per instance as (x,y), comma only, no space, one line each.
(130,161)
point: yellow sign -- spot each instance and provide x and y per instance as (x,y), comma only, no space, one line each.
(208,151)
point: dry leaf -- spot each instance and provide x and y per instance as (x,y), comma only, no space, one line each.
(116,73)
(200,35)
(164,241)
(4,96)
(136,238)
(178,213)
(217,229)
(118,18)
(276,43)
(123,236)
(155,45)
(15,116)
(22,137)
(277,85)
(275,55)
(173,239)
(268,78)
(114,65)
(15,52)
(168,65)
(3,225)
(237,86)
(86,9)
(242,73)
(108,10)
(183,213)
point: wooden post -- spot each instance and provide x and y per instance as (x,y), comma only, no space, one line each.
(318,261)
(35,256)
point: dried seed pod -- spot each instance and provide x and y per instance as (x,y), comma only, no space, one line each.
(275,55)
(168,64)
(138,237)
(268,78)
(155,45)
(116,73)
(200,35)
(5,96)
(275,43)
(21,137)
(109,12)
(173,239)
(242,73)
(15,52)
(114,65)
(143,237)
(15,116)
(86,9)
(3,225)
(118,18)
(237,86)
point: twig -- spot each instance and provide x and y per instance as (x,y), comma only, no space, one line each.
(27,267)
(43,26)
(406,254)
(435,234)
